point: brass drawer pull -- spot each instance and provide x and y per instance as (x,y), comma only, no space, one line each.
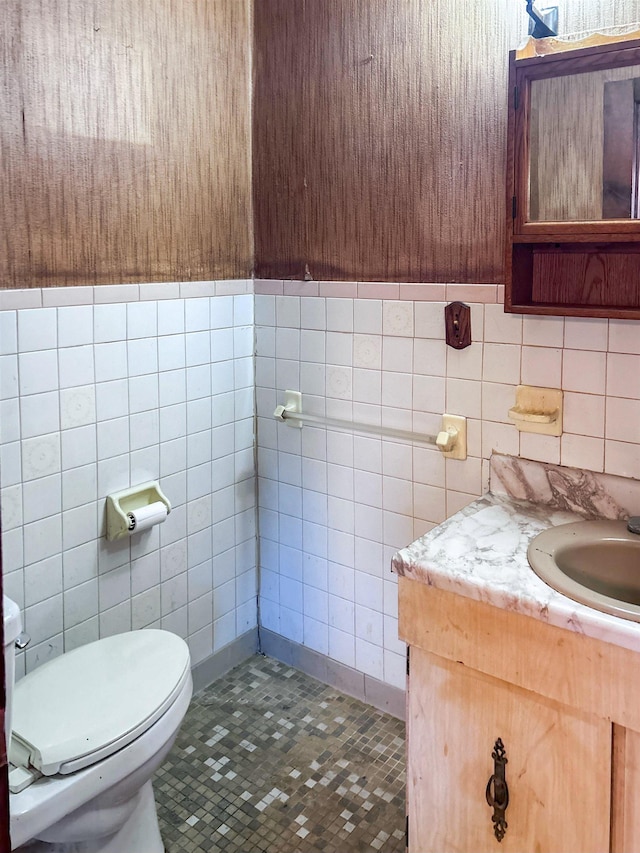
(497,792)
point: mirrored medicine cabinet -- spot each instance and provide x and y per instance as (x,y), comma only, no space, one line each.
(573,178)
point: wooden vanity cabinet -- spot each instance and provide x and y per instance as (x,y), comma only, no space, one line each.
(566,708)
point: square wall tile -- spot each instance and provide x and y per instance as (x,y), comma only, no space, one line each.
(623,375)
(38,371)
(75,325)
(586,333)
(37,329)
(584,371)
(541,366)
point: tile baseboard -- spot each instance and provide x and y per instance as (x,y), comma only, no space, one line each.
(384,697)
(219,663)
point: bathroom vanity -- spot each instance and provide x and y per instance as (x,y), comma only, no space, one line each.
(502,667)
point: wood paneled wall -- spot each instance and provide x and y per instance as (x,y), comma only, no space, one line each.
(379,138)
(125,141)
(380,133)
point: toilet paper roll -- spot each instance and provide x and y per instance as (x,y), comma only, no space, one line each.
(146,516)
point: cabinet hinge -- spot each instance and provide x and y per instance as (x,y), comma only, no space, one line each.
(408,655)
(516,99)
(514,207)
(406,831)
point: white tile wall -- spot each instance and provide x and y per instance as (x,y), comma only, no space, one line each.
(97,397)
(333,507)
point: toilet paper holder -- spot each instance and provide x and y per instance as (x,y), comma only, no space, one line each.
(122,508)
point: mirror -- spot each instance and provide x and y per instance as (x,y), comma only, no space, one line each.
(583,156)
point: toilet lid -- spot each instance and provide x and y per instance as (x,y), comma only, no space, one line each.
(85,705)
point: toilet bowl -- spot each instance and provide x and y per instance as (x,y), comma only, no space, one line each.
(88,730)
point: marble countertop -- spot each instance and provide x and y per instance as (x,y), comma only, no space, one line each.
(481,553)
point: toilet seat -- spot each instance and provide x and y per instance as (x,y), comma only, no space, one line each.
(89,703)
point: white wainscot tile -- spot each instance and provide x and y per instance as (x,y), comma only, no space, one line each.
(112,399)
(623,336)
(109,323)
(583,414)
(77,406)
(142,356)
(110,361)
(500,438)
(79,525)
(42,497)
(37,329)
(369,658)
(339,315)
(79,486)
(8,376)
(197,348)
(11,502)
(428,466)
(8,332)
(623,375)
(199,381)
(197,314)
(500,327)
(579,451)
(541,448)
(143,393)
(144,429)
(76,366)
(113,438)
(78,446)
(38,371)
(145,608)
(541,366)
(171,319)
(39,414)
(312,346)
(464,397)
(429,320)
(113,475)
(622,458)
(501,363)
(585,333)
(75,325)
(41,456)
(465,363)
(397,390)
(543,331)
(44,620)
(429,502)
(142,319)
(10,417)
(584,371)
(429,357)
(81,603)
(43,580)
(623,419)
(398,318)
(42,539)
(397,354)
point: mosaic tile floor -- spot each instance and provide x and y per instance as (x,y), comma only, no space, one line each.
(269,760)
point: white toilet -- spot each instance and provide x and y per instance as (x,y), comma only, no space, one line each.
(88,730)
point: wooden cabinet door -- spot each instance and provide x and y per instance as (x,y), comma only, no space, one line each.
(558,771)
